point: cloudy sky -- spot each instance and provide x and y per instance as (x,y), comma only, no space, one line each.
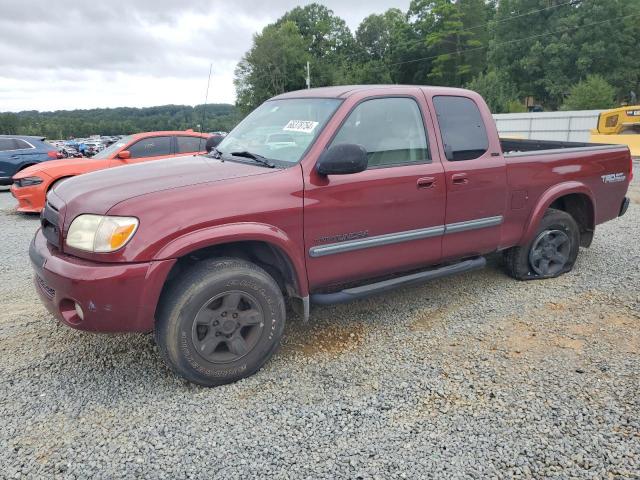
(66,54)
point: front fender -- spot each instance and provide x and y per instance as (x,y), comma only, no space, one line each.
(239,232)
(546,199)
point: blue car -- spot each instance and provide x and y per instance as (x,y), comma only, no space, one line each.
(20,151)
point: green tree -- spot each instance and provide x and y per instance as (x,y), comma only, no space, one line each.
(9,123)
(499,93)
(275,64)
(545,46)
(590,94)
(115,121)
(328,42)
(450,29)
(377,39)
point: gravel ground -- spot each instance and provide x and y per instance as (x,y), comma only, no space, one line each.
(476,376)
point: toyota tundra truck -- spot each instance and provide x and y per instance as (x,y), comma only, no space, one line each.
(319,196)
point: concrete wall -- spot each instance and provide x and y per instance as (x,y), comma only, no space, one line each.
(571,126)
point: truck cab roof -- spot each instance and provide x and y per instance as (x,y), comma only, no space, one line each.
(344,91)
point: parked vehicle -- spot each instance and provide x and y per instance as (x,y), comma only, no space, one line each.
(18,152)
(31,185)
(69,152)
(383,187)
(621,126)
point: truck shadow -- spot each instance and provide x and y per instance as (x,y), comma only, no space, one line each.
(334,330)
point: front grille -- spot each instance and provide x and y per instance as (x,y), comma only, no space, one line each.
(50,224)
(48,291)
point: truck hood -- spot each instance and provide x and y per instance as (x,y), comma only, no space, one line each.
(69,166)
(97,192)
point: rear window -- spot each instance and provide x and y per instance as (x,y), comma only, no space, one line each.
(190,144)
(463,132)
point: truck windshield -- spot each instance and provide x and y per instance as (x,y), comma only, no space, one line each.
(280,130)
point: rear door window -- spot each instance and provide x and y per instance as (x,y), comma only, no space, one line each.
(190,144)
(463,132)
(6,144)
(9,144)
(151,147)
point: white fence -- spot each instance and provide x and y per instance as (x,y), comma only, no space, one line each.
(571,126)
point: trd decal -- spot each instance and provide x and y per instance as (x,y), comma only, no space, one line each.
(613,178)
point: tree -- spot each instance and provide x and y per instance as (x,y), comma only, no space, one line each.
(590,94)
(118,121)
(327,39)
(376,39)
(450,29)
(275,64)
(499,93)
(545,47)
(9,123)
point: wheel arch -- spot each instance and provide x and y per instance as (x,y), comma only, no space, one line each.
(53,182)
(576,199)
(265,245)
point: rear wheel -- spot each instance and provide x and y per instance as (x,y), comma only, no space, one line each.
(552,252)
(220,321)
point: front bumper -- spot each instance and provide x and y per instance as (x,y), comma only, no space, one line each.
(30,199)
(118,297)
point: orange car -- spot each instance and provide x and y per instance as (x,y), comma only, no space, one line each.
(30,186)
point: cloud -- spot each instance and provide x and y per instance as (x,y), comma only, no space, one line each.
(84,54)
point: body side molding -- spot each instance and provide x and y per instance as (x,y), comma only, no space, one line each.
(406,236)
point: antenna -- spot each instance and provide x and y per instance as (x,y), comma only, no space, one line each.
(204,108)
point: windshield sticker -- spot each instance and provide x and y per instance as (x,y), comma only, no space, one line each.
(304,126)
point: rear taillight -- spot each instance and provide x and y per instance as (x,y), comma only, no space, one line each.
(630,168)
(52,154)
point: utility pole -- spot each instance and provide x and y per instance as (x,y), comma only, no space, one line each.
(308,76)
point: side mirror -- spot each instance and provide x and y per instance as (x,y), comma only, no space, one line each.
(343,159)
(124,154)
(213,142)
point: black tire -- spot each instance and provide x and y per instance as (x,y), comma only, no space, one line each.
(537,259)
(195,329)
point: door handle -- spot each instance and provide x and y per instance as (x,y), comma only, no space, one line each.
(426,182)
(459,179)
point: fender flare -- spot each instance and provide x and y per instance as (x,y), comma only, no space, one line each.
(239,232)
(546,199)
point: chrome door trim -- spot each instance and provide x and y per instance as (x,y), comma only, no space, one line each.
(473,224)
(377,241)
(406,236)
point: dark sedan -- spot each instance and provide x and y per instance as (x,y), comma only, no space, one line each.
(20,151)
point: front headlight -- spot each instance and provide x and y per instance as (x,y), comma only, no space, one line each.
(28,181)
(101,233)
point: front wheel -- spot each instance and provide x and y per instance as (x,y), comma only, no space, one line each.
(552,252)
(220,321)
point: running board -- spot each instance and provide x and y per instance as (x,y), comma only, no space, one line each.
(364,291)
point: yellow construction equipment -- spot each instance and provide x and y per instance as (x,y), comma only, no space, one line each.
(621,126)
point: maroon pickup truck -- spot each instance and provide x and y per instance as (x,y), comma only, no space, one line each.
(318,196)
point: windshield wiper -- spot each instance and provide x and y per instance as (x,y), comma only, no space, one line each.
(255,157)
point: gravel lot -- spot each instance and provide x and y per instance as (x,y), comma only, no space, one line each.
(469,377)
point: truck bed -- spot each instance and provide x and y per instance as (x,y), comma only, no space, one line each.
(515,147)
